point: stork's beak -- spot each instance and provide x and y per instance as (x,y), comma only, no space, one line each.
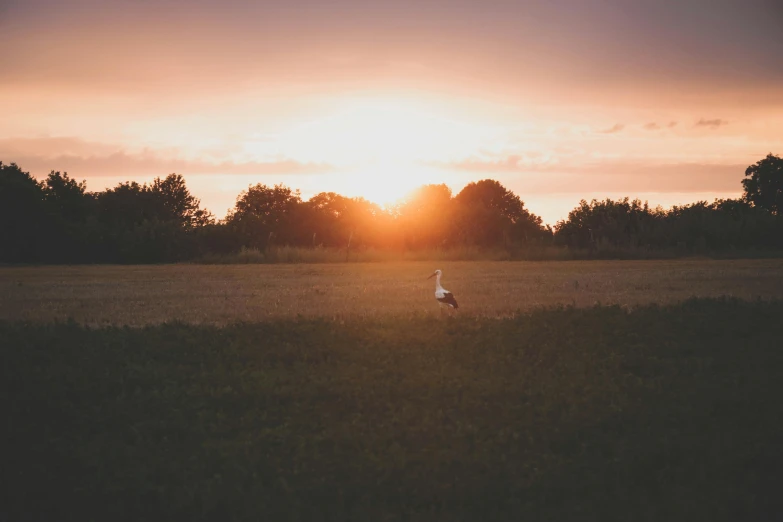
(433,275)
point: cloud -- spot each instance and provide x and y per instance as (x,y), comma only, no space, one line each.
(656,126)
(713,124)
(511,163)
(82,158)
(614,129)
(631,176)
(55,145)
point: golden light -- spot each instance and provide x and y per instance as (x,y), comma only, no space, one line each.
(387,183)
(379,147)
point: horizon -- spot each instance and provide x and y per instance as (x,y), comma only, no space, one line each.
(670,199)
(559,103)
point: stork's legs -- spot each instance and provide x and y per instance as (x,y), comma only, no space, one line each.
(449,309)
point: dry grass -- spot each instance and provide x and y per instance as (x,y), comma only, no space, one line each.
(293,254)
(138,295)
(289,254)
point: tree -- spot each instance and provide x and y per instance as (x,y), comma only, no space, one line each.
(426,216)
(764,184)
(23,220)
(490,214)
(323,219)
(177,203)
(330,219)
(72,219)
(66,197)
(127,204)
(619,223)
(57,220)
(149,223)
(262,212)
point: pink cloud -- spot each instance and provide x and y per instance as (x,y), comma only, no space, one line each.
(611,175)
(82,158)
(614,129)
(713,124)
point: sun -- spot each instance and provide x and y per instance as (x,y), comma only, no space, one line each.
(388,183)
(379,148)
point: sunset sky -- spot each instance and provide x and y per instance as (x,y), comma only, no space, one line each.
(669,101)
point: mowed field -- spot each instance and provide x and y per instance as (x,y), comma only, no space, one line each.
(302,393)
(139,295)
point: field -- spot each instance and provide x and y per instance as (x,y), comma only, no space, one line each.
(139,295)
(335,392)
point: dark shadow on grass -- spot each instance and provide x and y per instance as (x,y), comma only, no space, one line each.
(663,413)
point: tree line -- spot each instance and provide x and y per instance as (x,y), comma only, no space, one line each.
(56,220)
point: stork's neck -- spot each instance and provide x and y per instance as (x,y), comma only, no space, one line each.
(437,283)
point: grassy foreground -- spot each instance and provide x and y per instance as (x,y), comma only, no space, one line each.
(143,295)
(663,413)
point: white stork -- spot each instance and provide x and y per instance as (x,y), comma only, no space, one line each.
(443,296)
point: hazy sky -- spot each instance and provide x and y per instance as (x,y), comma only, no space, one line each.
(559,100)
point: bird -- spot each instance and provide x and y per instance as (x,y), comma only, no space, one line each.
(443,296)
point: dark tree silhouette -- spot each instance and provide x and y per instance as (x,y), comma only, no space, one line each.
(23,219)
(72,222)
(66,197)
(57,221)
(764,184)
(617,223)
(177,203)
(127,204)
(609,226)
(490,214)
(263,214)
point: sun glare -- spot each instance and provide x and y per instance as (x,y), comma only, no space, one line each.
(387,183)
(389,130)
(379,148)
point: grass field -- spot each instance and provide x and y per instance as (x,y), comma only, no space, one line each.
(664,413)
(660,410)
(138,295)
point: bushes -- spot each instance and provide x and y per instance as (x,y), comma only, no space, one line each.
(698,228)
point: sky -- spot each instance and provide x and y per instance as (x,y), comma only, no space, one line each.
(668,101)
